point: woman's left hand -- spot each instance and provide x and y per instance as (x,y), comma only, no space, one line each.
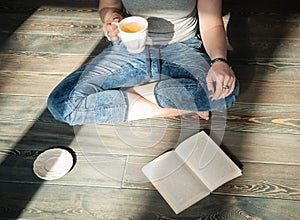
(220,80)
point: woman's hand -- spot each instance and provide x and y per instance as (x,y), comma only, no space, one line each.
(111,30)
(220,80)
(110,11)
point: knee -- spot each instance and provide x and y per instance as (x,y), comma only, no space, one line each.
(183,93)
(54,106)
(57,106)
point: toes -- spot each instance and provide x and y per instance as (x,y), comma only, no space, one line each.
(203,115)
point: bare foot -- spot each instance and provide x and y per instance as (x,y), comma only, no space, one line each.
(203,115)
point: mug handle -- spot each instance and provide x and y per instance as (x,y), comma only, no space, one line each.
(116,23)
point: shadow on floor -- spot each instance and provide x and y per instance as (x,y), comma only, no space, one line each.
(16,164)
(16,167)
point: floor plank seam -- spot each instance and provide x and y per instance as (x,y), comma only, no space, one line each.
(254,196)
(123,181)
(270,163)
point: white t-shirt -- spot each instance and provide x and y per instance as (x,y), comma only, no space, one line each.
(169,20)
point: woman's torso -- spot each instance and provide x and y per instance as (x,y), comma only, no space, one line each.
(169,20)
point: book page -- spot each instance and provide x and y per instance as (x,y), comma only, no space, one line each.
(207,160)
(175,181)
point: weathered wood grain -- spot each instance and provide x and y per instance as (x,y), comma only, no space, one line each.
(267,180)
(43,63)
(263,147)
(90,169)
(285,122)
(287,7)
(151,140)
(259,48)
(51,11)
(241,117)
(263,180)
(88,11)
(272,185)
(46,25)
(21,6)
(264,25)
(46,40)
(108,170)
(71,202)
(288,49)
(264,92)
(269,92)
(246,32)
(82,45)
(66,20)
(54,44)
(266,70)
(29,84)
(260,70)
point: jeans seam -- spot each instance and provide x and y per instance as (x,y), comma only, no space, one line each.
(127,106)
(96,109)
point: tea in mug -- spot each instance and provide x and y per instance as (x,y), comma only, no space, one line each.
(132,27)
(133,32)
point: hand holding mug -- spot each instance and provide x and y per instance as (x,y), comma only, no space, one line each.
(133,32)
(110,29)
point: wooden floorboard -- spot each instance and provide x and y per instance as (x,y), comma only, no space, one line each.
(264,92)
(77,202)
(41,42)
(275,119)
(247,146)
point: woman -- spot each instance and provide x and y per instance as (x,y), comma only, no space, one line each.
(173,75)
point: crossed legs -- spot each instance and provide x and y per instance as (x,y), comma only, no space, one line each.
(142,104)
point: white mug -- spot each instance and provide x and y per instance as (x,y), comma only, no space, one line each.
(133,32)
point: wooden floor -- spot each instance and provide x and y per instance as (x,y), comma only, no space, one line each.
(43,41)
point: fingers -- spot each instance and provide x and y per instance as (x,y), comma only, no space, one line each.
(210,84)
(218,92)
(111,30)
(220,81)
(229,84)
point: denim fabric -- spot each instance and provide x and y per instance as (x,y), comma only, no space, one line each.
(94,94)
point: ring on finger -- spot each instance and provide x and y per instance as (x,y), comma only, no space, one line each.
(226,87)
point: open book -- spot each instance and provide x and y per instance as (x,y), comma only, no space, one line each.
(190,172)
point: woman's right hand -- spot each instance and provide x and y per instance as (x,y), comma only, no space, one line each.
(111,30)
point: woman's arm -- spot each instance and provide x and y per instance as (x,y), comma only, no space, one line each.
(109,11)
(213,35)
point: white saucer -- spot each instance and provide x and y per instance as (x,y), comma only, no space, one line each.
(53,164)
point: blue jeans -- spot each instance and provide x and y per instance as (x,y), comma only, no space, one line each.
(94,94)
